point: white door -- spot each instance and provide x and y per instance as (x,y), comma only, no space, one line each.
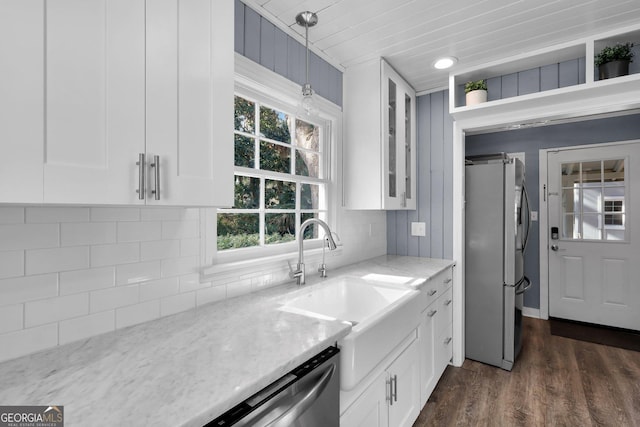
(371,408)
(594,260)
(95,100)
(190,101)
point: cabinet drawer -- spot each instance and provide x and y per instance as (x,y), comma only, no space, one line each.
(436,286)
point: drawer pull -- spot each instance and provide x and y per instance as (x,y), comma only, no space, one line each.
(447,340)
(447,302)
(432,292)
(448,280)
(432,313)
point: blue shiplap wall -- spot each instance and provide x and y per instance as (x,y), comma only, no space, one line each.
(553,76)
(434,185)
(264,43)
(530,141)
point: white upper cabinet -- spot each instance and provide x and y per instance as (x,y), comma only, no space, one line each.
(380,138)
(95,100)
(190,101)
(21,100)
(123,101)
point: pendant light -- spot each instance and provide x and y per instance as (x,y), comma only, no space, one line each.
(307,19)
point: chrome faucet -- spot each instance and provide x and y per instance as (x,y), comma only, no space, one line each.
(299,273)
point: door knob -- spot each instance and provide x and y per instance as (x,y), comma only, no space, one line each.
(554,247)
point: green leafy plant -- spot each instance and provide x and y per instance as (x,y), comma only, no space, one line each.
(619,52)
(475,85)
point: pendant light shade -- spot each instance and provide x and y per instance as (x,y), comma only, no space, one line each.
(307,19)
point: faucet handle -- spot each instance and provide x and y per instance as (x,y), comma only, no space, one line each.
(322,270)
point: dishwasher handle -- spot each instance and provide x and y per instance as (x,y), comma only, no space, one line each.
(305,401)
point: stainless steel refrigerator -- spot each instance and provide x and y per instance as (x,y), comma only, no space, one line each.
(496,229)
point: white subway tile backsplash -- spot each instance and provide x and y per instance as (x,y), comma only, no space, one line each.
(87,326)
(139,231)
(11,264)
(212,294)
(28,288)
(91,233)
(137,272)
(158,289)
(241,287)
(179,266)
(57,259)
(11,317)
(28,236)
(55,309)
(27,341)
(190,213)
(108,299)
(191,282)
(160,214)
(120,253)
(90,279)
(115,214)
(134,314)
(160,249)
(53,215)
(11,215)
(177,303)
(187,229)
(190,247)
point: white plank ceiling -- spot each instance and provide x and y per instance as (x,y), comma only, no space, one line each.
(411,34)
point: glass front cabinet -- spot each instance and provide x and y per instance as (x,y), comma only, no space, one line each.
(380,138)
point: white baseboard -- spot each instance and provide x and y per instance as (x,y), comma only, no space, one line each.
(531,312)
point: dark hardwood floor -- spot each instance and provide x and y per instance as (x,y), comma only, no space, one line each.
(556,381)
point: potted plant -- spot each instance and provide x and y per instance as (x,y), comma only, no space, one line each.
(476,92)
(613,61)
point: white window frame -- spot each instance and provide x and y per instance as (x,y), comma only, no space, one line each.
(258,83)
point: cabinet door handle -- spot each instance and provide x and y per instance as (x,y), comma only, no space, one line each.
(447,340)
(432,292)
(404,199)
(432,313)
(448,280)
(141,172)
(390,384)
(156,177)
(395,388)
(447,302)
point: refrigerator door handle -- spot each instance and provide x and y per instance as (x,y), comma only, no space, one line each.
(525,197)
(525,288)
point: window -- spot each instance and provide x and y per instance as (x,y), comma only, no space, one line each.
(593,194)
(280,177)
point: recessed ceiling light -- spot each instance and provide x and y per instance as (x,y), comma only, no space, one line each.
(445,62)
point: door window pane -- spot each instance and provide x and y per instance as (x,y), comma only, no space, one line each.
(593,200)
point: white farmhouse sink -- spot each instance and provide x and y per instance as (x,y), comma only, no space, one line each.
(381,317)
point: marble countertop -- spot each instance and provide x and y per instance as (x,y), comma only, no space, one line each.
(188,368)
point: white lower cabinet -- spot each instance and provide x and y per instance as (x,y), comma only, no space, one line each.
(393,398)
(435,335)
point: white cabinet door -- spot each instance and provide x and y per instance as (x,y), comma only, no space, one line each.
(95,100)
(190,101)
(404,405)
(398,140)
(21,100)
(371,408)
(427,335)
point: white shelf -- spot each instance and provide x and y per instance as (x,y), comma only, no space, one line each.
(582,48)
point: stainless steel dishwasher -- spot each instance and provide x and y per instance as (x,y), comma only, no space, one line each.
(308,396)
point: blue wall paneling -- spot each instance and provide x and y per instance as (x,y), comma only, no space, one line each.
(264,43)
